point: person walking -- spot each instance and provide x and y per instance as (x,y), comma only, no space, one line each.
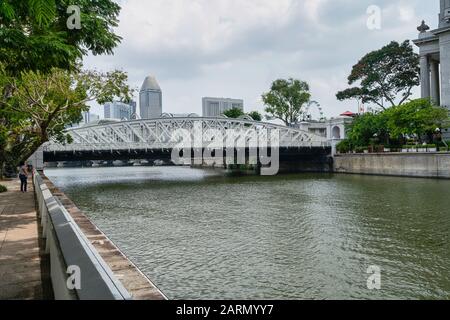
(23,176)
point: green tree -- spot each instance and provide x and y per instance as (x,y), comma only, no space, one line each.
(416,118)
(35,39)
(419,118)
(43,104)
(384,75)
(255,115)
(34,33)
(366,128)
(234,113)
(287,99)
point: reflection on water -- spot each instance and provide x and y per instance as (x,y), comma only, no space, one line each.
(197,234)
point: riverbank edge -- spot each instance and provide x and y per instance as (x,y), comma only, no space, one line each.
(413,165)
(133,279)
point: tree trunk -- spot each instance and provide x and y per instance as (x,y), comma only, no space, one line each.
(2,169)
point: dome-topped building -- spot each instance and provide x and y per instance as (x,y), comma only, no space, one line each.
(150,83)
(150,99)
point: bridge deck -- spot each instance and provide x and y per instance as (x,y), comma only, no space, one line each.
(21,273)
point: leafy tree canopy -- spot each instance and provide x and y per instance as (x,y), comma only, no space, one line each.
(42,87)
(286,99)
(384,75)
(34,34)
(234,113)
(417,118)
(255,115)
(366,128)
(41,105)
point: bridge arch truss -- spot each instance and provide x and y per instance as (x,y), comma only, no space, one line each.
(158,134)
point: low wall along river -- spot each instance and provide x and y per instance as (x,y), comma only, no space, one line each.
(425,165)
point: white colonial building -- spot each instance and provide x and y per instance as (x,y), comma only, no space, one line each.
(434,50)
(333,129)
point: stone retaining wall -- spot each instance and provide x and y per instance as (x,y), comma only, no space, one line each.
(426,165)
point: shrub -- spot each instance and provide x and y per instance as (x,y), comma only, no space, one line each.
(3,188)
(425,146)
(343,146)
(361,149)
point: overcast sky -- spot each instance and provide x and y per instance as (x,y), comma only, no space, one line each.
(236,48)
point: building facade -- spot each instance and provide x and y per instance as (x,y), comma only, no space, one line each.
(179,115)
(333,129)
(215,107)
(88,117)
(434,50)
(150,99)
(118,110)
(93,117)
(133,105)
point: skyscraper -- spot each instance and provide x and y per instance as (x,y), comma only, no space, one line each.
(133,105)
(150,99)
(118,110)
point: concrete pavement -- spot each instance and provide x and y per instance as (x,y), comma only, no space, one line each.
(22,264)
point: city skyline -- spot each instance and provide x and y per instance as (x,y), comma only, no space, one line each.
(238,53)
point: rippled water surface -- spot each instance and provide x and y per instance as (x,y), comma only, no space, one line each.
(198,234)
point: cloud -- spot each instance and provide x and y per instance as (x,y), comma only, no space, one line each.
(236,48)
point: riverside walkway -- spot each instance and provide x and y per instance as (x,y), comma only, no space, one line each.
(22,271)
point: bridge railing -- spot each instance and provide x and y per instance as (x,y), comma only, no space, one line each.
(157,134)
(154,146)
(77,271)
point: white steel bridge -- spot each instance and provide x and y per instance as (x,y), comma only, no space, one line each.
(157,134)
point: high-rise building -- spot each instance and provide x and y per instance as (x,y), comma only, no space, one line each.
(215,107)
(133,105)
(118,110)
(88,117)
(93,117)
(150,99)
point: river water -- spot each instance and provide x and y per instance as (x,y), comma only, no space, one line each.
(201,235)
